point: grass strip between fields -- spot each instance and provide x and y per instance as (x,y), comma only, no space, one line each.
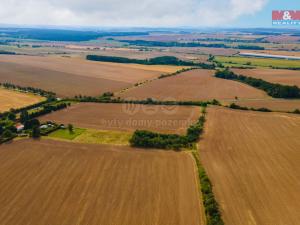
(66,134)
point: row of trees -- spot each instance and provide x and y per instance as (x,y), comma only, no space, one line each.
(45,109)
(2,52)
(176,73)
(235,106)
(148,139)
(212,209)
(189,44)
(47,94)
(163,60)
(274,90)
(148,101)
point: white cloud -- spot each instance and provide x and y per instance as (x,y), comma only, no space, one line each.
(127,12)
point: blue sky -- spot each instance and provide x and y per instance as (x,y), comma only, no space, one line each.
(143,13)
(263,18)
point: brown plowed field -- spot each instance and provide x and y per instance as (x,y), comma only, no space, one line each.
(49,182)
(252,159)
(15,100)
(69,77)
(193,85)
(174,119)
(287,77)
(282,105)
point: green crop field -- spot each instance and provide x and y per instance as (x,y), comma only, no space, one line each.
(258,62)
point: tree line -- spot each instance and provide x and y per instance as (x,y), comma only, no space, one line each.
(2,52)
(149,101)
(47,94)
(212,211)
(188,44)
(274,90)
(163,60)
(263,109)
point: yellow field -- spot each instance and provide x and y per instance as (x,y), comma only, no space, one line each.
(62,183)
(14,99)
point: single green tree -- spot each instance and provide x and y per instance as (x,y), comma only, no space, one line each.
(7,134)
(71,128)
(36,132)
(11,116)
(24,116)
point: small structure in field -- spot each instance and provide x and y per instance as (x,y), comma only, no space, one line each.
(19,127)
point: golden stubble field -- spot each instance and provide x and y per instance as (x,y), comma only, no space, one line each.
(285,77)
(128,117)
(49,182)
(74,76)
(13,99)
(193,85)
(253,161)
(280,105)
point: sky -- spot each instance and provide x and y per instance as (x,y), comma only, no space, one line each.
(143,13)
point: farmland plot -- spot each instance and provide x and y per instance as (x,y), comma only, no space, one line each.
(193,85)
(70,77)
(49,182)
(14,100)
(253,160)
(127,117)
(285,77)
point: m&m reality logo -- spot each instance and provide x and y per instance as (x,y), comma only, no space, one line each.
(286,17)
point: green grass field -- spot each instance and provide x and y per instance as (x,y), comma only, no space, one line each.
(104,137)
(257,62)
(65,134)
(90,136)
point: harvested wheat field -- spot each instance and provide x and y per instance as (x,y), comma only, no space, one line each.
(127,117)
(286,77)
(280,105)
(252,159)
(14,100)
(49,182)
(193,85)
(73,76)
